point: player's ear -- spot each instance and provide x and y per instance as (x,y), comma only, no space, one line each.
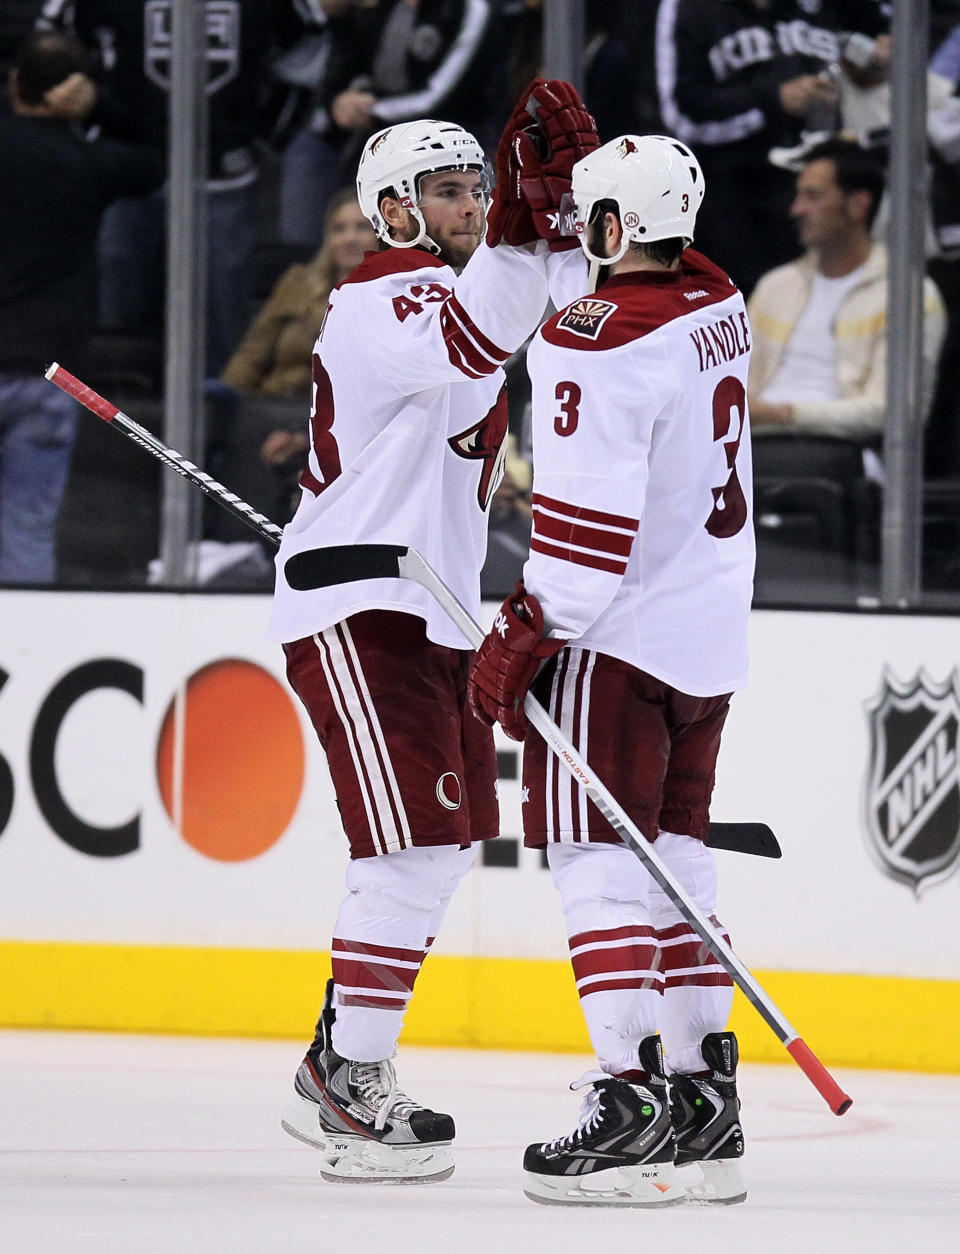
(393,213)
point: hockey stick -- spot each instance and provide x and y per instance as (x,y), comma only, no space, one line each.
(93,401)
(751,838)
(319,568)
(755,838)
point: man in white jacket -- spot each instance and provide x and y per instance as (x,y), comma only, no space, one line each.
(819,323)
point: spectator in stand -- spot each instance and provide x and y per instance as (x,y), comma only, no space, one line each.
(608,71)
(310,163)
(132,38)
(17,18)
(403,59)
(609,62)
(737,78)
(638,25)
(273,359)
(54,190)
(943,129)
(819,323)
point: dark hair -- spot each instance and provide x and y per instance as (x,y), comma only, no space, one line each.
(855,168)
(46,58)
(666,252)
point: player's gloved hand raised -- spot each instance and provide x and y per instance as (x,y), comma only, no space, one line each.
(509,218)
(565,133)
(505,664)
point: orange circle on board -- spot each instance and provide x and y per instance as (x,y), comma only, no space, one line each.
(243,761)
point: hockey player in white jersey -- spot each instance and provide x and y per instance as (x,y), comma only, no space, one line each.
(408,431)
(631,623)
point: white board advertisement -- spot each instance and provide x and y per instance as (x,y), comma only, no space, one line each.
(159,784)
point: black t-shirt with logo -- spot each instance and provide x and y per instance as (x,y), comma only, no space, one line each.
(720,66)
(133,40)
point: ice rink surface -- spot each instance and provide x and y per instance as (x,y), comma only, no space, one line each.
(129,1144)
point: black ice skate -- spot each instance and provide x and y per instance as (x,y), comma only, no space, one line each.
(706,1117)
(621,1152)
(355,1113)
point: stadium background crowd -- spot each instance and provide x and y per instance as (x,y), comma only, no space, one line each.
(295,86)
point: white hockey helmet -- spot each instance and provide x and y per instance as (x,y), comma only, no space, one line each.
(656,182)
(399,156)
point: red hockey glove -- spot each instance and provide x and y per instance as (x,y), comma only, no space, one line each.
(509,218)
(505,664)
(568,132)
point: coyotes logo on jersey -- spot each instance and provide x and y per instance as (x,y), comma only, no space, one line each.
(486,441)
(586,317)
(626,147)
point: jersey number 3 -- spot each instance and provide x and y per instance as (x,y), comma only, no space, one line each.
(569,396)
(729,512)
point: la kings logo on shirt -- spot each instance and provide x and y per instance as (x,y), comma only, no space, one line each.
(912,802)
(586,317)
(223,42)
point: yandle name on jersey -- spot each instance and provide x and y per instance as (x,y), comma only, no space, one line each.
(722,340)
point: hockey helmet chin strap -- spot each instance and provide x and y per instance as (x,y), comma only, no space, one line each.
(422,239)
(596,263)
(604,261)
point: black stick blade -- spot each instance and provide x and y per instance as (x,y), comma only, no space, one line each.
(755,838)
(343,563)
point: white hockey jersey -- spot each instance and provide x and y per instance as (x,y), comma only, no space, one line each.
(643,544)
(408,427)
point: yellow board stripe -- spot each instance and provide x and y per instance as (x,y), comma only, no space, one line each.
(495,1003)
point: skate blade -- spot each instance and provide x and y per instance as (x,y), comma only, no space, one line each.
(301,1120)
(649,1185)
(355,1160)
(721,1184)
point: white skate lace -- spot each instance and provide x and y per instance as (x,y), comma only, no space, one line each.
(589,1117)
(376,1083)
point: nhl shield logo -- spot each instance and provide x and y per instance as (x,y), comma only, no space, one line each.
(912,803)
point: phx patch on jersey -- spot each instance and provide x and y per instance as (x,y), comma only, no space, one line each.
(586,317)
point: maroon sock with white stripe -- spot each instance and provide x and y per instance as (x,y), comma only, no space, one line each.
(697,998)
(373,987)
(619,981)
